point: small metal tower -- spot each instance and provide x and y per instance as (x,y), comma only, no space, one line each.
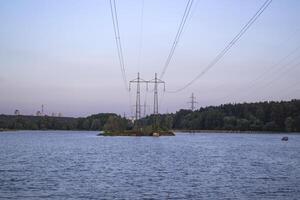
(193,102)
(42,109)
(17,112)
(138,81)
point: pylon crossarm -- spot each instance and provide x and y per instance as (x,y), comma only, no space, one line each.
(138,81)
(156,81)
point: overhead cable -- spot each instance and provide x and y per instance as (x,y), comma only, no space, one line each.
(114,16)
(178,34)
(227,47)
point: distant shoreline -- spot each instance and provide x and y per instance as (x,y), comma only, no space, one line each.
(15,130)
(175,131)
(234,131)
(3,130)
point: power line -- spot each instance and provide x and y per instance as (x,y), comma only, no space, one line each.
(271,67)
(178,34)
(115,21)
(228,46)
(277,66)
(285,68)
(282,70)
(141,37)
(285,91)
(114,16)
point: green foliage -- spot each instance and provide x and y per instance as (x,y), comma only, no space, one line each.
(289,124)
(96,124)
(270,126)
(158,123)
(262,116)
(86,124)
(243,124)
(93,122)
(115,123)
(229,122)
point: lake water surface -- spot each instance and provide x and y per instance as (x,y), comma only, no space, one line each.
(81,165)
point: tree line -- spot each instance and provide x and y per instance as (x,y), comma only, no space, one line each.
(94,122)
(261,116)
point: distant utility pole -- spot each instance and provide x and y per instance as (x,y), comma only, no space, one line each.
(38,113)
(156,81)
(42,109)
(138,81)
(17,112)
(193,102)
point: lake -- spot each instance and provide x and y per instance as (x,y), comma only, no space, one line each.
(81,165)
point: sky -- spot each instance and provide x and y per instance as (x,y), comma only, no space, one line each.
(62,54)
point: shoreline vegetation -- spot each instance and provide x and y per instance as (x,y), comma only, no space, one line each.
(261,117)
(5,129)
(234,131)
(137,133)
(171,132)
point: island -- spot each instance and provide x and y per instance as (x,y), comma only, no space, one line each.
(137,133)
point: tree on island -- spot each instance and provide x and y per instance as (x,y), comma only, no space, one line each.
(115,123)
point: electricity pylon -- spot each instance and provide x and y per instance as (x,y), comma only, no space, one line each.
(42,110)
(193,102)
(138,81)
(156,82)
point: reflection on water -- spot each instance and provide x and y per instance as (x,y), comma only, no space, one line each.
(80,165)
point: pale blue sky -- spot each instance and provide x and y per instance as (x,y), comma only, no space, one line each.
(62,53)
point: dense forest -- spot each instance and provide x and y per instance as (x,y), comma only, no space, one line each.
(94,122)
(261,116)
